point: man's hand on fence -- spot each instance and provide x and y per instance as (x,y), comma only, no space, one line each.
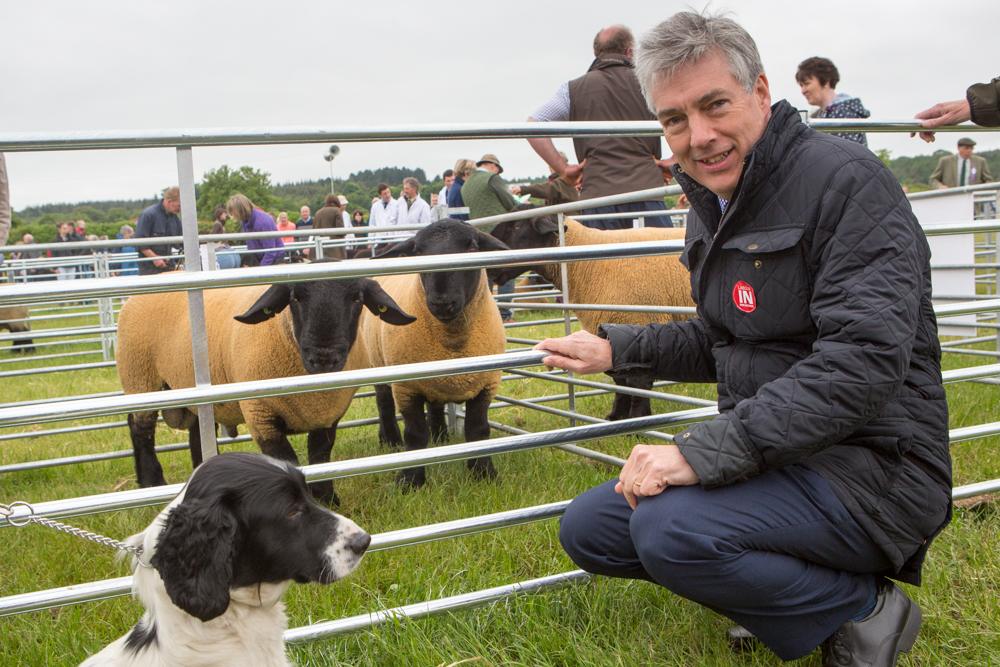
(943,113)
(581,352)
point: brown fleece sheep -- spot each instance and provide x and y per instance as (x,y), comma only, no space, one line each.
(7,315)
(658,280)
(456,317)
(253,334)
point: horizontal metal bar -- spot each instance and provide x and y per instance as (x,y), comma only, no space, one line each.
(47,357)
(973,353)
(944,192)
(967,433)
(576,415)
(42,401)
(283,273)
(203,395)
(975,372)
(97,590)
(572,449)
(432,607)
(58,333)
(977,489)
(963,227)
(56,369)
(381,463)
(680,310)
(617,389)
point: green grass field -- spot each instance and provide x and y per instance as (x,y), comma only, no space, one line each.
(604,622)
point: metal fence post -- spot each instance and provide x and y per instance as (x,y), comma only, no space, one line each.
(567,315)
(196,300)
(105,308)
(319,247)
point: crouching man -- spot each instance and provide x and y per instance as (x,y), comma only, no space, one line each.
(827,469)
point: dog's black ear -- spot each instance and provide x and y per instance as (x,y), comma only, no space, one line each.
(270,303)
(194,556)
(382,305)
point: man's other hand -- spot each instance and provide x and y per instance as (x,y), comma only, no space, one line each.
(652,468)
(581,352)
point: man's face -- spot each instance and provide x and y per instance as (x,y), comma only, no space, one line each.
(172,205)
(409,191)
(965,152)
(811,91)
(66,228)
(127,233)
(27,238)
(448,180)
(710,122)
(386,195)
(304,212)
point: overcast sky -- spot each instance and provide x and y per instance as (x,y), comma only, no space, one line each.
(114,65)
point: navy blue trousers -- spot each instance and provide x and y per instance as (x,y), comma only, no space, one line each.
(626,223)
(779,553)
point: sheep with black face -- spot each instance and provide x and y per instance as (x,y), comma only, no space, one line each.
(456,317)
(657,280)
(254,333)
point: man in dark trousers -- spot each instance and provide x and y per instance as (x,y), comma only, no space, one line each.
(827,469)
(607,165)
(158,220)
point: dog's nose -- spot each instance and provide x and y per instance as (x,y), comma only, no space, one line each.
(359,542)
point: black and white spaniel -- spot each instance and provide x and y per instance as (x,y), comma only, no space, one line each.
(222,554)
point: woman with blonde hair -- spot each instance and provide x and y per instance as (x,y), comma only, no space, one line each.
(463,167)
(285,225)
(252,219)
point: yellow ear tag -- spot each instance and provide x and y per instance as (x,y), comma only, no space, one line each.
(382,309)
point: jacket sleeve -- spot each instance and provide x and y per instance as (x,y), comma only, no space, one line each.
(871,269)
(678,351)
(984,175)
(499,187)
(935,178)
(984,103)
(541,191)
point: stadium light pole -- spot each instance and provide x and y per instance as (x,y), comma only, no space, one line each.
(333,152)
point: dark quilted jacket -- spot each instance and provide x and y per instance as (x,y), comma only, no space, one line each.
(815,319)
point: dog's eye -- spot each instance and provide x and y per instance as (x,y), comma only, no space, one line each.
(295,513)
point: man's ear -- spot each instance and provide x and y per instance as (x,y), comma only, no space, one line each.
(404,249)
(545,225)
(487,242)
(381,304)
(270,303)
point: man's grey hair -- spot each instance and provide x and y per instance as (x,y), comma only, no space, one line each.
(687,37)
(412,182)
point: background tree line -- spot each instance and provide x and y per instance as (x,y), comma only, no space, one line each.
(106,217)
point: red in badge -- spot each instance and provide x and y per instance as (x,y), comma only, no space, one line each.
(744,297)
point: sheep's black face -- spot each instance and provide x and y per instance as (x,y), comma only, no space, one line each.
(244,520)
(325,317)
(447,292)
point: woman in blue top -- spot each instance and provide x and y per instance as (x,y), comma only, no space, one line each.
(253,219)
(463,168)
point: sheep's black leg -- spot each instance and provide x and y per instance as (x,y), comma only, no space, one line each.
(320,446)
(640,407)
(388,429)
(23,345)
(477,428)
(621,406)
(439,427)
(278,447)
(194,443)
(142,430)
(416,436)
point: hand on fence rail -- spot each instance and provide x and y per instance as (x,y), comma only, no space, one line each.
(580,352)
(943,113)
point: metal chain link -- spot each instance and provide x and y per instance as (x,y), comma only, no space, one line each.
(7,512)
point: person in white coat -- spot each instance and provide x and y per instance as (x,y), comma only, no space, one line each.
(413,210)
(384,213)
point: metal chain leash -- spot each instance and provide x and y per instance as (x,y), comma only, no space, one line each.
(7,512)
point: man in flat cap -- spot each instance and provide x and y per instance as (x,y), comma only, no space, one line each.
(955,171)
(486,193)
